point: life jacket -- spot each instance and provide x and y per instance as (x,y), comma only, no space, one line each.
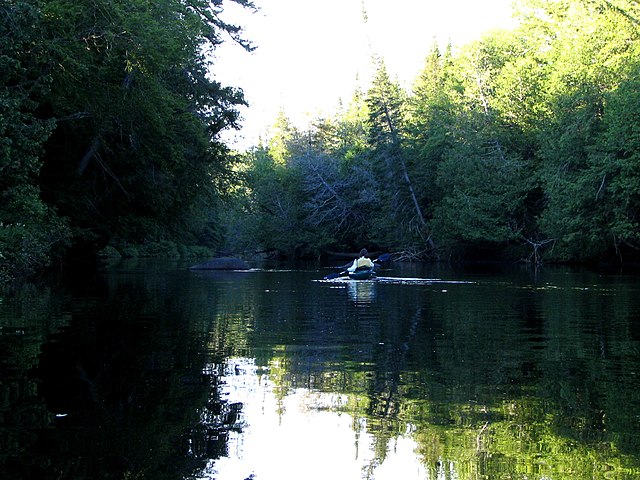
(364,262)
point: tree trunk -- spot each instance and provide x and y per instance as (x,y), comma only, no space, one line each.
(405,175)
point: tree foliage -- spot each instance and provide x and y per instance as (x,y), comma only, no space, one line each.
(524,139)
(29,229)
(138,116)
(113,119)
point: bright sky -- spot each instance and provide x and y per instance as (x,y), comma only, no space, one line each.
(313,53)
(301,435)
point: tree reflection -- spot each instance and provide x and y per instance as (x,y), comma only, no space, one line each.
(482,381)
(114,393)
(484,392)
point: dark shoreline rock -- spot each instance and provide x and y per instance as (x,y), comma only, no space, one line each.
(222,263)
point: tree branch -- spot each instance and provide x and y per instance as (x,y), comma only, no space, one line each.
(91,151)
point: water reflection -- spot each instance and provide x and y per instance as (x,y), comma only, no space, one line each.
(106,387)
(272,375)
(362,292)
(303,434)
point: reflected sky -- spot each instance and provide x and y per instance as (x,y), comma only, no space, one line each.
(274,374)
(302,434)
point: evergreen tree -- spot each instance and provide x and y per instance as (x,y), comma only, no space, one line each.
(136,145)
(522,139)
(431,122)
(615,164)
(30,231)
(274,219)
(592,50)
(386,102)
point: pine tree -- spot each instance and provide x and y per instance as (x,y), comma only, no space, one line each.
(386,102)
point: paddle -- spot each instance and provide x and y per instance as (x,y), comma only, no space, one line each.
(382,258)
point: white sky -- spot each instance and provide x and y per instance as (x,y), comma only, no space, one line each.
(302,435)
(312,53)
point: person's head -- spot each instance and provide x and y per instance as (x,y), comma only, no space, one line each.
(363,252)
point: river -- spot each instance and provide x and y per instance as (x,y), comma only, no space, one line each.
(151,371)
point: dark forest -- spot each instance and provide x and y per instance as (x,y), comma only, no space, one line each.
(520,146)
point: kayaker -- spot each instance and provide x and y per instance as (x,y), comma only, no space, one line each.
(363,262)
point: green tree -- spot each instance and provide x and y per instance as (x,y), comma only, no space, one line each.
(593,49)
(523,138)
(138,118)
(479,172)
(613,170)
(351,129)
(30,231)
(431,128)
(387,102)
(282,138)
(274,215)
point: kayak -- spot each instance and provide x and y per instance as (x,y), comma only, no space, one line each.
(363,274)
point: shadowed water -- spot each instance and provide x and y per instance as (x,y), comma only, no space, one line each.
(155,372)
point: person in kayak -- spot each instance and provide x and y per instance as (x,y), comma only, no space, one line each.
(364,262)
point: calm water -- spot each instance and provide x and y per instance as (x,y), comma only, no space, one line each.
(156,372)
